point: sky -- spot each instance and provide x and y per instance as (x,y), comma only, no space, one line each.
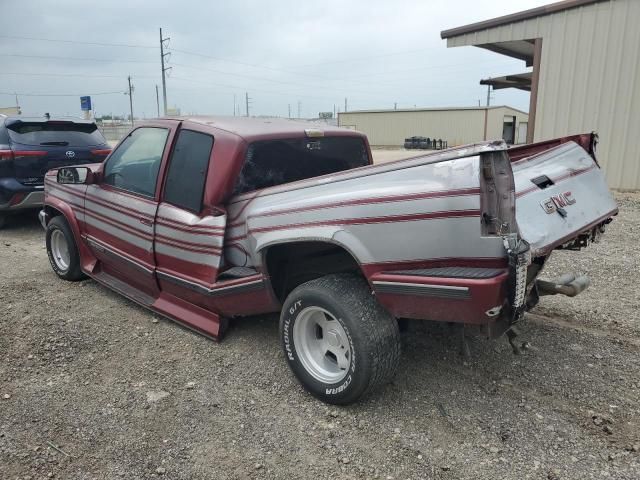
(288,55)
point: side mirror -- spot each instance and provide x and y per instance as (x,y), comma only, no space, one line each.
(74,175)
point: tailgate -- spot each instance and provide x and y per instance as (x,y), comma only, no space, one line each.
(560,194)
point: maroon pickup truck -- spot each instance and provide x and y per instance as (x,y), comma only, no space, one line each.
(206,219)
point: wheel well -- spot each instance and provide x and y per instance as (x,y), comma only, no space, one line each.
(291,264)
(52,212)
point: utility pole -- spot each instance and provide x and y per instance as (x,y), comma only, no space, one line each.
(334,110)
(345,104)
(299,108)
(395,105)
(247,101)
(164,69)
(234,104)
(158,101)
(488,95)
(130,98)
(289,106)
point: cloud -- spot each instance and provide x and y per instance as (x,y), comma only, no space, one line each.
(375,53)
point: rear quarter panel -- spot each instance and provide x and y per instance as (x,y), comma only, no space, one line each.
(409,212)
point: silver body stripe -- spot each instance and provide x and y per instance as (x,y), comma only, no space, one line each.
(423,285)
(119,233)
(209,259)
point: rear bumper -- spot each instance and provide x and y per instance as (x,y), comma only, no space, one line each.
(23,200)
(473,296)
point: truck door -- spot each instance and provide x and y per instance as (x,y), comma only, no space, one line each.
(188,233)
(120,212)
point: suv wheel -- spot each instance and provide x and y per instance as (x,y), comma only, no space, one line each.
(338,341)
(62,250)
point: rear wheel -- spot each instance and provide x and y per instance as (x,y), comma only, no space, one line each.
(339,342)
(62,250)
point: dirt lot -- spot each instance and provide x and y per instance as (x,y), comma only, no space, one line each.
(92,386)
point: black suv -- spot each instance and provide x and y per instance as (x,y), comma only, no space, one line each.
(31,146)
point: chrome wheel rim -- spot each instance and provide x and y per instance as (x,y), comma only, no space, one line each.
(322,345)
(60,250)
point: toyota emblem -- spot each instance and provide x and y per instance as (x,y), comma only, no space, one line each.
(70,153)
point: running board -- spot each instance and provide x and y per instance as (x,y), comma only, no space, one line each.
(190,316)
(123,288)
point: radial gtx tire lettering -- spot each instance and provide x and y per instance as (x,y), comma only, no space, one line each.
(338,341)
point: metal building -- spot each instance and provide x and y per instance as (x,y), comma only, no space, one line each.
(585,56)
(458,126)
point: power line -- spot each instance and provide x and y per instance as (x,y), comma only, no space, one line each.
(44,74)
(102,44)
(119,92)
(74,58)
(252,77)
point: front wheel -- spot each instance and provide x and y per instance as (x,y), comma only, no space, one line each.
(338,341)
(62,250)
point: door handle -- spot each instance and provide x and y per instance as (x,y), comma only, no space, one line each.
(146,222)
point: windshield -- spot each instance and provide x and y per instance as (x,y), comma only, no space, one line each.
(65,134)
(275,162)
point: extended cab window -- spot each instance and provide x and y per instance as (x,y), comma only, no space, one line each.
(274,162)
(188,170)
(134,165)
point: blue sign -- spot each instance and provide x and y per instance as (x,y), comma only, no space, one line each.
(85,104)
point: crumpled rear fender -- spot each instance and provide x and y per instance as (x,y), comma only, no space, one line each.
(335,235)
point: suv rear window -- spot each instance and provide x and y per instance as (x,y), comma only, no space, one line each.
(274,162)
(66,134)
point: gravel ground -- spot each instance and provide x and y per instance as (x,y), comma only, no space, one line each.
(94,387)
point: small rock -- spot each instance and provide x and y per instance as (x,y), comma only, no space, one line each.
(396,430)
(494,450)
(345,460)
(155,396)
(258,466)
(445,468)
(608,430)
(6,396)
(154,320)
(161,470)
(419,457)
(190,385)
(635,448)
(333,413)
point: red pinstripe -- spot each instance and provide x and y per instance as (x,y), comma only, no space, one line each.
(371,220)
(192,246)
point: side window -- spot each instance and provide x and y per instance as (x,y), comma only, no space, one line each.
(188,170)
(134,165)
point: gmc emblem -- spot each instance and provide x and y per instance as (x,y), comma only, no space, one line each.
(552,204)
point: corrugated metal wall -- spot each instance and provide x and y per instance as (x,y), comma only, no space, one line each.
(589,78)
(458,126)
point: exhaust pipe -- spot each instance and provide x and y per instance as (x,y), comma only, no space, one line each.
(568,284)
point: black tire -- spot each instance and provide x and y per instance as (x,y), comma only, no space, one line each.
(73,272)
(373,336)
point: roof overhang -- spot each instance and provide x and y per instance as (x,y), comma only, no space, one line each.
(515,17)
(520,49)
(521,81)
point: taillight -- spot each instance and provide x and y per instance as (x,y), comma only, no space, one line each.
(101,152)
(17,198)
(6,154)
(18,154)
